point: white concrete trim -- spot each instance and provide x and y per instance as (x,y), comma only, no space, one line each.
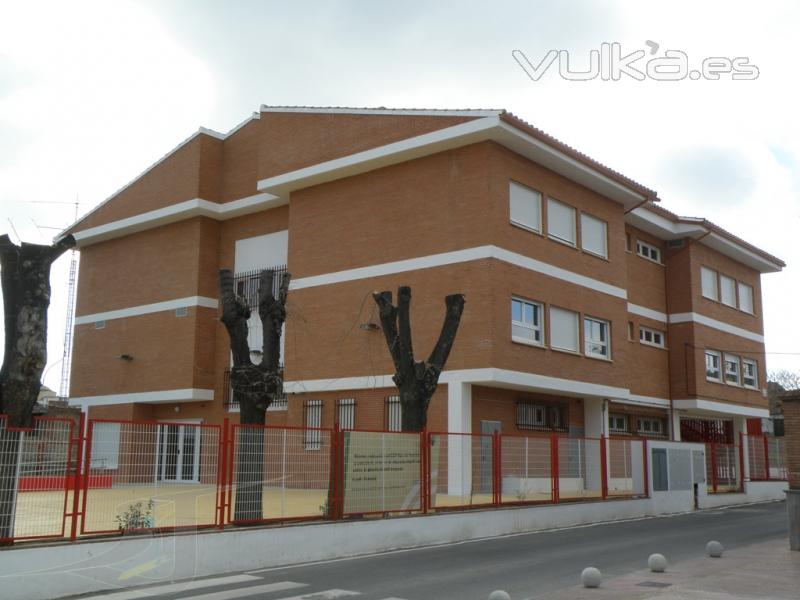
(180,395)
(648,313)
(455,257)
(739,252)
(145,309)
(644,400)
(721,407)
(197,207)
(340,110)
(693,317)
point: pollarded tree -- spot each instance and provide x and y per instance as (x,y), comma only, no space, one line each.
(25,274)
(416,380)
(255,386)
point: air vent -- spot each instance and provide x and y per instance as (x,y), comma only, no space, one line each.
(675,243)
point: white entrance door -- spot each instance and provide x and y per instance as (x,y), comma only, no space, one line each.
(178,453)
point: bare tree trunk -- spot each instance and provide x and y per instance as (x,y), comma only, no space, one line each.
(25,274)
(416,380)
(255,386)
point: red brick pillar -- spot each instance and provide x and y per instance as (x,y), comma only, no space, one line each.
(791,421)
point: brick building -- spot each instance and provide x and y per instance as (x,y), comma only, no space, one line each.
(590,308)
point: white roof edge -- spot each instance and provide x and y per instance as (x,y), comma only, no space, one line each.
(719,407)
(421,112)
(765,265)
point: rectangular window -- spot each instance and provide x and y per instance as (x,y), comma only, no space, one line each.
(99,324)
(394,414)
(181,311)
(648,251)
(630,331)
(727,290)
(534,415)
(346,413)
(594,236)
(526,321)
(617,423)
(746,298)
(708,280)
(651,337)
(313,418)
(627,242)
(650,426)
(731,369)
(596,338)
(525,206)
(713,365)
(563,329)
(750,373)
(561,221)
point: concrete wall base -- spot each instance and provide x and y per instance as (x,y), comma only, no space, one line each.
(793,510)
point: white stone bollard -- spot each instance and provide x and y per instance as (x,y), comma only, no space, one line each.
(591,577)
(499,595)
(714,549)
(657,563)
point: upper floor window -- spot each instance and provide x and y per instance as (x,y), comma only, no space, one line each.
(648,251)
(563,329)
(596,336)
(727,290)
(731,369)
(525,207)
(561,222)
(713,360)
(750,373)
(708,281)
(526,321)
(746,298)
(651,337)
(594,235)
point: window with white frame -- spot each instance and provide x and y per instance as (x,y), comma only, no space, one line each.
(713,359)
(594,235)
(394,414)
(650,426)
(596,337)
(708,283)
(535,415)
(346,413)
(526,321)
(313,418)
(746,298)
(651,337)
(525,206)
(563,329)
(750,373)
(648,251)
(732,369)
(561,221)
(727,290)
(617,423)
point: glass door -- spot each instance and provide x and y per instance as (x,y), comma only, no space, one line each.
(178,453)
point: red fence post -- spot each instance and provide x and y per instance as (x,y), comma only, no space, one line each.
(645,468)
(228,493)
(222,474)
(423,500)
(496,468)
(603,467)
(713,467)
(87,473)
(76,480)
(767,475)
(554,467)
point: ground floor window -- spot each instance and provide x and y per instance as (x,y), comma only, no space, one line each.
(393,414)
(617,423)
(541,416)
(650,426)
(346,413)
(313,418)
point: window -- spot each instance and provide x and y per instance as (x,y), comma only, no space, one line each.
(750,373)
(627,242)
(394,414)
(346,413)
(595,332)
(650,426)
(731,369)
(536,415)
(525,206)
(708,280)
(313,418)
(526,321)
(594,235)
(713,365)
(617,423)
(561,221)
(746,298)
(727,290)
(648,251)
(181,311)
(651,337)
(563,329)
(105,445)
(99,324)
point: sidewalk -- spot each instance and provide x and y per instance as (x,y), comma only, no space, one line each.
(763,571)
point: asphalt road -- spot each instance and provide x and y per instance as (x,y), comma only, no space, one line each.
(526,566)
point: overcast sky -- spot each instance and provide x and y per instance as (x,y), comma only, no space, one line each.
(91,93)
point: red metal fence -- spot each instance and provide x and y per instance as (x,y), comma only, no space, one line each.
(134,476)
(766,456)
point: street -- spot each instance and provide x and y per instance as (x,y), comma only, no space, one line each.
(526,565)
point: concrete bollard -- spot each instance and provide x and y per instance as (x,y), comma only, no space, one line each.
(591,577)
(657,563)
(714,549)
(499,595)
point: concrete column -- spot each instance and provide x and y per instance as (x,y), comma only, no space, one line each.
(459,455)
(739,428)
(676,426)
(595,424)
(791,420)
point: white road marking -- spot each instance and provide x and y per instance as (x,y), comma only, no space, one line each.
(171,588)
(325,595)
(244,592)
